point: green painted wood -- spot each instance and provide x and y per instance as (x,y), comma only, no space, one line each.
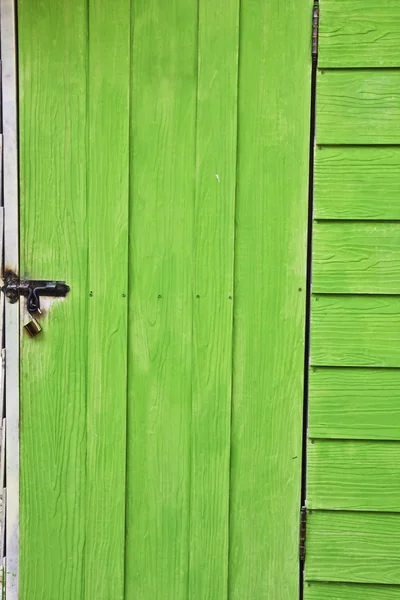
(163,142)
(52,78)
(353,475)
(354,403)
(355,331)
(108,203)
(213,288)
(359,33)
(350,591)
(269,299)
(353,547)
(357,182)
(356,258)
(359,326)
(358,106)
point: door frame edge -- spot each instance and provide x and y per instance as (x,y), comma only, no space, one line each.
(8,30)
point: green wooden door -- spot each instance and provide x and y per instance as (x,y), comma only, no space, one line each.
(353,484)
(164,176)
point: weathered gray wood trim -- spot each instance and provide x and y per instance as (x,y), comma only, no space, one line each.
(11,260)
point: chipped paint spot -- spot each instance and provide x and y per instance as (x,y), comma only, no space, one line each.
(47,302)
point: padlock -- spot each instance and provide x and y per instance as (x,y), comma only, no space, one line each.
(32,328)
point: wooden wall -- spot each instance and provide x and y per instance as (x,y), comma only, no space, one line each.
(164,176)
(353,531)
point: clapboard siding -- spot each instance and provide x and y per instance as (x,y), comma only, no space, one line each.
(356,258)
(357,182)
(353,475)
(355,331)
(358,106)
(353,547)
(359,33)
(353,454)
(350,591)
(354,403)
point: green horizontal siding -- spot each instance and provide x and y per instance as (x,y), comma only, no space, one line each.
(357,182)
(353,331)
(354,403)
(350,591)
(353,531)
(353,475)
(358,106)
(356,258)
(359,33)
(353,547)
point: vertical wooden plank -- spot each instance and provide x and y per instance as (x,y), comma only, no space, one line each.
(11,260)
(212,317)
(3,496)
(161,297)
(52,71)
(108,207)
(269,300)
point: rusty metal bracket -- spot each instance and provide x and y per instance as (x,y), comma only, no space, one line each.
(315,31)
(303,528)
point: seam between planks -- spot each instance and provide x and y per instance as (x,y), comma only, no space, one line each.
(128,280)
(190,453)
(233,329)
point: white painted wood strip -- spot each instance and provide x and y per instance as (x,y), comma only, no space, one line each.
(3,525)
(3,494)
(3,564)
(2,363)
(2,453)
(11,260)
(2,356)
(1,164)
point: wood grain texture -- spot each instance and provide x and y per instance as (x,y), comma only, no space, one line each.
(164,82)
(355,331)
(354,403)
(350,591)
(358,107)
(269,299)
(213,288)
(353,547)
(353,475)
(356,258)
(357,182)
(359,33)
(53,370)
(108,205)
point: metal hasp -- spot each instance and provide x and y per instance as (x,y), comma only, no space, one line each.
(13,288)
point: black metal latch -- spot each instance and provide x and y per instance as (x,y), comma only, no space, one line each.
(13,288)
